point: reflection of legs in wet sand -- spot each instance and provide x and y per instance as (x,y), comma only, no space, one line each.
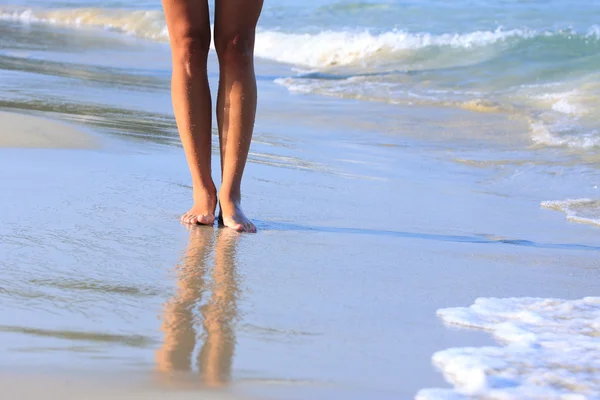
(178,316)
(216,355)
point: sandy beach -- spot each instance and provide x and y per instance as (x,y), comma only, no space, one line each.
(380,209)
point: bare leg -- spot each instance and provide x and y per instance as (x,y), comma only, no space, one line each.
(235,24)
(189,32)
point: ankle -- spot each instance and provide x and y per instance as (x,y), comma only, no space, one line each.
(230,196)
(204,187)
(205,193)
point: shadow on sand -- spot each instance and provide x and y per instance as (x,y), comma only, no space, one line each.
(475,238)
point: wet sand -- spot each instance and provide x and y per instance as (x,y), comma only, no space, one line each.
(30,131)
(335,297)
(66,387)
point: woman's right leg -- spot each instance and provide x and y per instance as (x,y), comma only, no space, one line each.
(189,33)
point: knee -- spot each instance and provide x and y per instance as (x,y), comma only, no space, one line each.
(236,48)
(190,49)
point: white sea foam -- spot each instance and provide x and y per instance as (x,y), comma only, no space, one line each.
(569,102)
(566,107)
(343,48)
(551,351)
(569,112)
(546,135)
(585,211)
(295,85)
(594,31)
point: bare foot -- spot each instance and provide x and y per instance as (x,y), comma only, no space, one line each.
(232,216)
(203,210)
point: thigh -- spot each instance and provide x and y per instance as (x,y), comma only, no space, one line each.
(236,18)
(187,19)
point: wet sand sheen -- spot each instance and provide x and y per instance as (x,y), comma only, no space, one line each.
(28,131)
(215,357)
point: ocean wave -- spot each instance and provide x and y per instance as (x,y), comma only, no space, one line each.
(145,24)
(403,68)
(586,211)
(550,351)
(316,50)
(330,48)
(357,6)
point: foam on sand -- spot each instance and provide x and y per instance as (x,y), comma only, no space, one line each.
(586,211)
(27,131)
(551,351)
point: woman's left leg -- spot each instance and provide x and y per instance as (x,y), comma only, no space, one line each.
(235,25)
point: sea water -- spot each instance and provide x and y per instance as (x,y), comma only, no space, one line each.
(537,60)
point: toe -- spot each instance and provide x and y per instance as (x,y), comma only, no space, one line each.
(249,227)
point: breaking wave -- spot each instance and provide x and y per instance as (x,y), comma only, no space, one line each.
(314,50)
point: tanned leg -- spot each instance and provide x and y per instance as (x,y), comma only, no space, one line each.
(235,25)
(189,33)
